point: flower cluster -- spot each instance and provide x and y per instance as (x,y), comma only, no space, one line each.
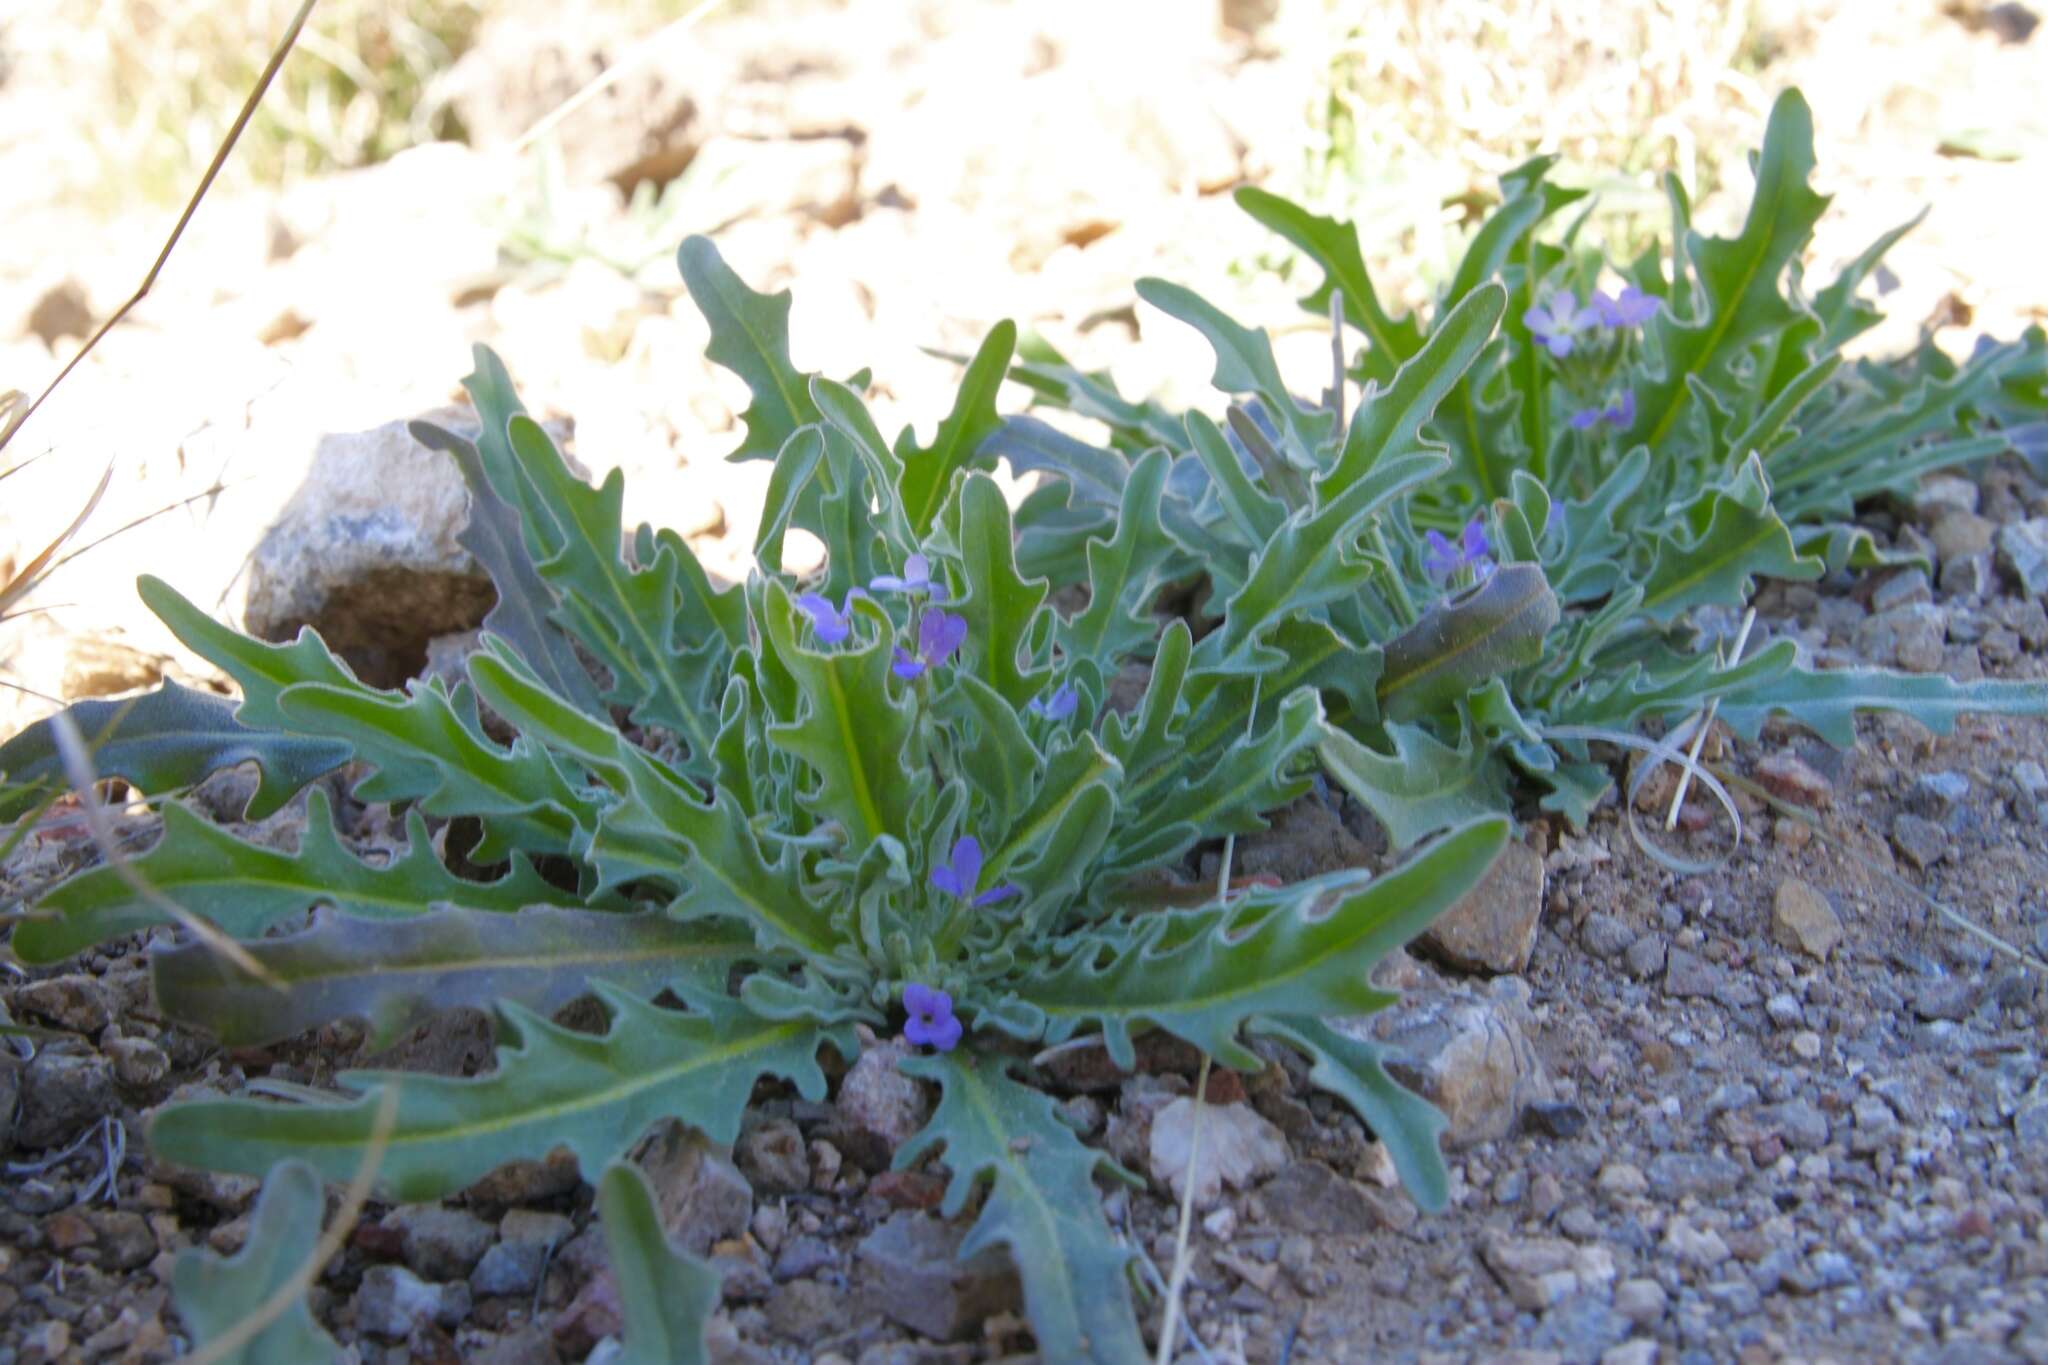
(1475,552)
(1557,322)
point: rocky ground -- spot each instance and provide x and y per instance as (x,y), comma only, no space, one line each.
(1783,1111)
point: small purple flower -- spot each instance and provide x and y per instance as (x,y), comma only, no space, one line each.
(1632,309)
(1058,706)
(1554,321)
(931,1022)
(832,624)
(916,579)
(938,635)
(959,877)
(1620,413)
(1445,559)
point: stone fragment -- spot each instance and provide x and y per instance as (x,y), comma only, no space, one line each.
(1963,535)
(509,1268)
(1541,1272)
(73,1001)
(1919,840)
(1310,1197)
(440,1243)
(1701,1248)
(1968,576)
(62,1091)
(1937,795)
(1493,927)
(702,1196)
(1605,936)
(1791,778)
(1802,919)
(1876,1126)
(123,1240)
(1907,587)
(803,1310)
(1950,997)
(392,1301)
(1797,1123)
(366,552)
(139,1064)
(1645,957)
(1943,495)
(1688,976)
(2023,554)
(1466,1052)
(772,1155)
(527,1181)
(1700,1175)
(878,1108)
(1237,1147)
(1641,1351)
(915,1277)
(803,1256)
(1621,1180)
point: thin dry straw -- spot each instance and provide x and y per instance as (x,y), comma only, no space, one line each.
(294,1289)
(78,768)
(1706,722)
(213,168)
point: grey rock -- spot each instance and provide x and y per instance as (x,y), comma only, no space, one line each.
(1906,588)
(773,1155)
(1919,840)
(73,1001)
(1493,928)
(525,1227)
(1310,1197)
(1784,1010)
(1949,997)
(139,1064)
(366,552)
(915,1277)
(878,1108)
(1645,957)
(528,1346)
(123,1240)
(1687,975)
(1941,495)
(1797,1123)
(392,1301)
(702,1196)
(803,1256)
(509,1268)
(1791,778)
(1642,1301)
(1937,795)
(803,1310)
(2023,553)
(62,1091)
(1468,1053)
(2030,1123)
(1876,1126)
(1968,576)
(1700,1175)
(440,1243)
(1605,936)
(1542,1272)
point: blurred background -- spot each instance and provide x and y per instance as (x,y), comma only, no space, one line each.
(914,170)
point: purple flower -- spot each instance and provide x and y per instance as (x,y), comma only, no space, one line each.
(958,878)
(1058,706)
(1620,413)
(931,1022)
(1445,559)
(938,635)
(832,624)
(1554,321)
(916,579)
(1632,309)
